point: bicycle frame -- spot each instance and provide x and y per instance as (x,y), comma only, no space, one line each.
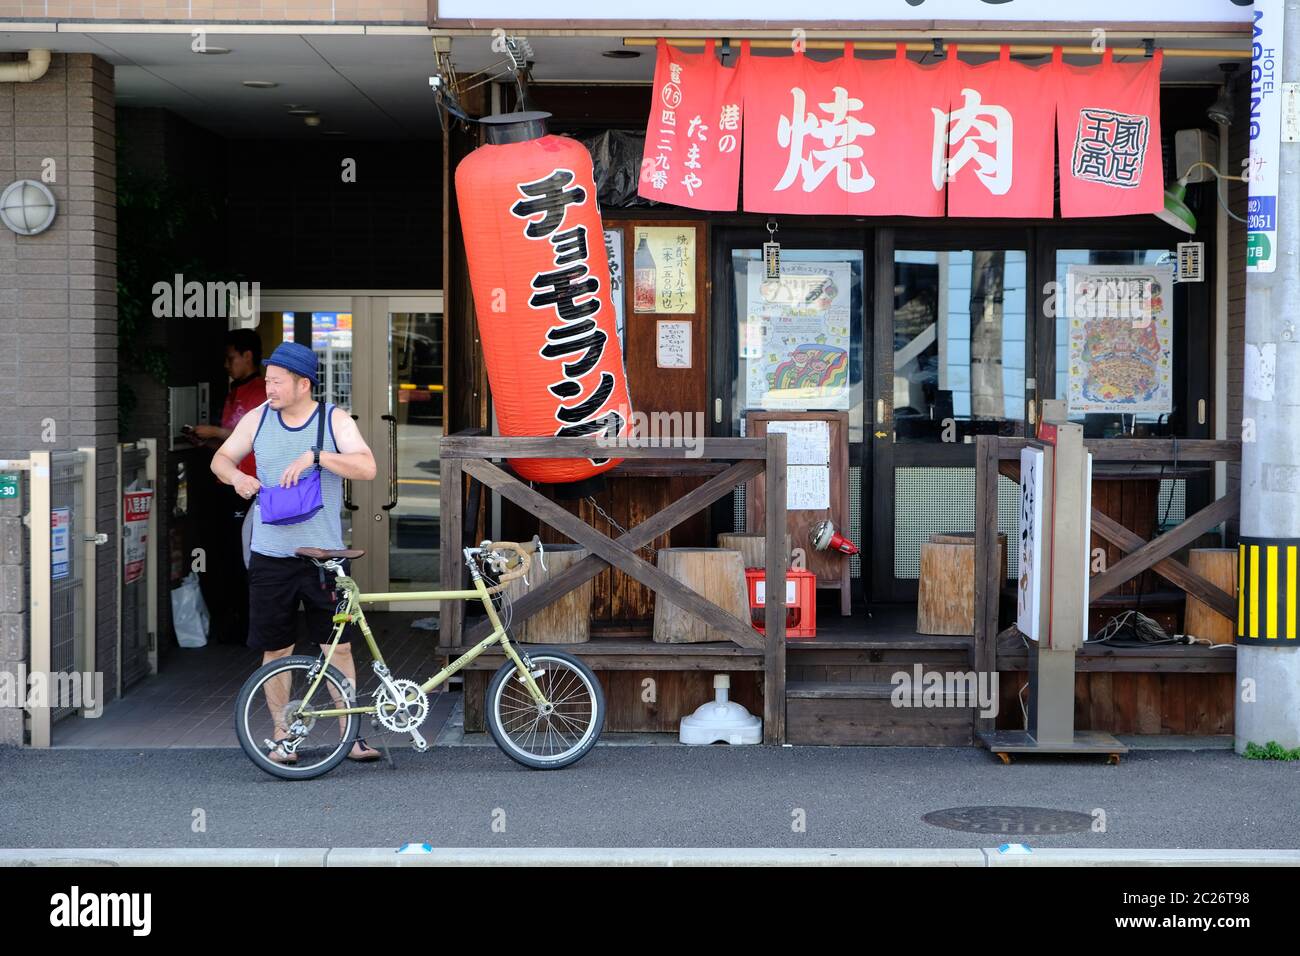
(352,614)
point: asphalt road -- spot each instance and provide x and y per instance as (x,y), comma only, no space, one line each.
(638,797)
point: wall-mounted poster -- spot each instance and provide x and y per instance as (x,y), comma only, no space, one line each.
(1029,585)
(663,267)
(1121,339)
(796,346)
(673,344)
(614,250)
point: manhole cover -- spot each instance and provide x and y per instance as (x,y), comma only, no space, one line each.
(1009,820)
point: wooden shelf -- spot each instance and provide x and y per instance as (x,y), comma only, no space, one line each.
(636,653)
(1176,658)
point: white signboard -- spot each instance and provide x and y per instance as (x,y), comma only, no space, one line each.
(797,328)
(60,543)
(673,344)
(1029,586)
(1265,120)
(806,443)
(807,488)
(614,250)
(1121,339)
(850,11)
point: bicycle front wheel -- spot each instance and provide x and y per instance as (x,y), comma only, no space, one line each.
(551,736)
(268,711)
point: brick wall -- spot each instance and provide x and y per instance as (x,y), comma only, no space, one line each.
(59,289)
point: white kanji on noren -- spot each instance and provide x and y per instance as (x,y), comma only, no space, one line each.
(985,136)
(837,133)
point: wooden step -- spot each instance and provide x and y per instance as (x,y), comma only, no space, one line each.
(847,690)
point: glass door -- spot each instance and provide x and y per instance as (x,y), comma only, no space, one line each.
(406,399)
(380,357)
(954,342)
(793,344)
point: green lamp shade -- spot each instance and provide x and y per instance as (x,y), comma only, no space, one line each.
(1176,212)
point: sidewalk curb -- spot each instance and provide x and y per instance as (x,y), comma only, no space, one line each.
(623,857)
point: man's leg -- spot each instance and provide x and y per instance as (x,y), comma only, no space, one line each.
(277,691)
(272,608)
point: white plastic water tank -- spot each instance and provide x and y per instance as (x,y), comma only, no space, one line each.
(721,720)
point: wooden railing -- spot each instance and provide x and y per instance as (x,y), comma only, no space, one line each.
(1001,456)
(473,455)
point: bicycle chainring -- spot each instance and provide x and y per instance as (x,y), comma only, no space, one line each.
(405,716)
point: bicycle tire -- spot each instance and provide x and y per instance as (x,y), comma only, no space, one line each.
(503,740)
(253,749)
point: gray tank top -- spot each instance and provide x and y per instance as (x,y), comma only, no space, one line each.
(276,445)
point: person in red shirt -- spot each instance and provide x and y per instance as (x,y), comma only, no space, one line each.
(247,394)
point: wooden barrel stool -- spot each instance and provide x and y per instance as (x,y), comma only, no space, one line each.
(1218,566)
(946,590)
(717,575)
(752,547)
(568,620)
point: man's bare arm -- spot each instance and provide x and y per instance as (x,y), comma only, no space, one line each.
(353,459)
(225,462)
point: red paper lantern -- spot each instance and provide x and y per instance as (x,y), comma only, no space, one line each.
(540,277)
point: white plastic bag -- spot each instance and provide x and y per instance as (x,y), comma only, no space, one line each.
(189,613)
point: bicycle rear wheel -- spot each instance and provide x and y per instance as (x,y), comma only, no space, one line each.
(266,712)
(537,737)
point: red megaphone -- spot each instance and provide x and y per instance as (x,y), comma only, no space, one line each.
(826,538)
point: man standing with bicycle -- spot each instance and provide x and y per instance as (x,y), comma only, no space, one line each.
(293,436)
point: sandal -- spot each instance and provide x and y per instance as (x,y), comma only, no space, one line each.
(367,754)
(278,754)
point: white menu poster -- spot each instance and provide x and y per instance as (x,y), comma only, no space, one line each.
(796,336)
(807,488)
(806,443)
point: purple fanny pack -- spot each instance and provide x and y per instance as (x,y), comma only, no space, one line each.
(296,503)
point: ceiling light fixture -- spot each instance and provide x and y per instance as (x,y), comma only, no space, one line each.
(213,51)
(622,54)
(261,84)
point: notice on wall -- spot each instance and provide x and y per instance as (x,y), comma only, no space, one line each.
(663,267)
(808,488)
(672,344)
(1121,339)
(136,506)
(806,443)
(1028,587)
(60,543)
(796,342)
(614,251)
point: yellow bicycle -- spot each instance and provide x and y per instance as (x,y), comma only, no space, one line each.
(297,717)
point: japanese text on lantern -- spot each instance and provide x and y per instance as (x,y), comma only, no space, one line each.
(576,341)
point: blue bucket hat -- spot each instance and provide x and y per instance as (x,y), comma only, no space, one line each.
(295,357)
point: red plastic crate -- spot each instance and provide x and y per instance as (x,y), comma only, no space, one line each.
(800,603)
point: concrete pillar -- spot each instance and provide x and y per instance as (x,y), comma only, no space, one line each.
(58,298)
(1268,651)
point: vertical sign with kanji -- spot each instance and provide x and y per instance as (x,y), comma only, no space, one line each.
(693,135)
(1265,136)
(1108,129)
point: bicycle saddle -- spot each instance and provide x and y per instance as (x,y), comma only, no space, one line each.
(325,554)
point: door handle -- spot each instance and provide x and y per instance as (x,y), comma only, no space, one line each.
(392,461)
(347,489)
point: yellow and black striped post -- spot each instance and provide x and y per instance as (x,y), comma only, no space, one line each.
(1266,590)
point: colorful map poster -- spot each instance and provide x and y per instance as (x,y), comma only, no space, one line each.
(796,336)
(1121,339)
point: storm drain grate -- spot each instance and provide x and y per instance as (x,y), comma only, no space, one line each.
(1009,820)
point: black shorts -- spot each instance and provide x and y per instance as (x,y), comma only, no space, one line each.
(276,587)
